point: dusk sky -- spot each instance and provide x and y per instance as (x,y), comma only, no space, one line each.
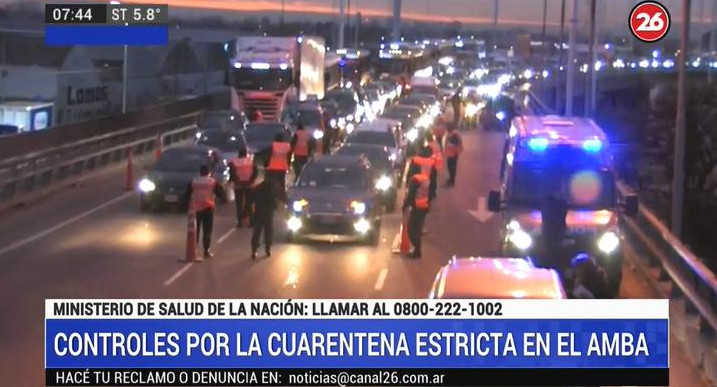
(613,13)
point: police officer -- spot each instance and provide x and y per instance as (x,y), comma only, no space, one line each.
(457,102)
(417,202)
(436,153)
(451,151)
(266,196)
(277,164)
(439,130)
(328,139)
(424,164)
(201,193)
(242,173)
(302,146)
(553,212)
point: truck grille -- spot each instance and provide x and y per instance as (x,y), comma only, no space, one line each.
(269,107)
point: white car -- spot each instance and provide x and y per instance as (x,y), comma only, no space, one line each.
(495,278)
(395,143)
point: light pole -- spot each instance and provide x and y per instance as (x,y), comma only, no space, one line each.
(713,40)
(561,41)
(124,73)
(342,21)
(678,173)
(572,41)
(590,83)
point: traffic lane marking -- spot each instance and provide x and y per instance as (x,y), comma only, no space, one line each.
(381,279)
(188,265)
(61,225)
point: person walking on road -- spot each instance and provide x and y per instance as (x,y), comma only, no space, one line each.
(277,164)
(436,152)
(266,201)
(201,193)
(457,103)
(417,203)
(242,173)
(302,146)
(424,164)
(452,150)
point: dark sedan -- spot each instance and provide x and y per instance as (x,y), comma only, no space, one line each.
(165,184)
(221,120)
(260,136)
(385,176)
(335,195)
(229,142)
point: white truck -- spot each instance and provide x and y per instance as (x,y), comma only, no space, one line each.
(267,71)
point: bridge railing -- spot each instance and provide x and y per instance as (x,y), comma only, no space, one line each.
(26,175)
(690,284)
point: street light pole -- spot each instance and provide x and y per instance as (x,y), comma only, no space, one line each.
(570,84)
(713,40)
(124,81)
(592,74)
(496,9)
(561,41)
(678,172)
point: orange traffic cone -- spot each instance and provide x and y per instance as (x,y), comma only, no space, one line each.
(158,149)
(191,253)
(405,242)
(129,175)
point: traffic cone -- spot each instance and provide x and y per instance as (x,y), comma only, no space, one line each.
(158,149)
(405,242)
(191,253)
(129,175)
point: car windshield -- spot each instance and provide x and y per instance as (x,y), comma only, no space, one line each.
(412,101)
(309,118)
(344,99)
(376,156)
(424,89)
(581,188)
(472,82)
(330,176)
(427,98)
(224,141)
(376,138)
(271,79)
(263,132)
(178,160)
(229,120)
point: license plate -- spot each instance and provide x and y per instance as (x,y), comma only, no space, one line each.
(329,219)
(171,198)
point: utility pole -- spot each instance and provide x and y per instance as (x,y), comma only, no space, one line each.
(282,13)
(592,73)
(713,40)
(678,173)
(124,81)
(396,20)
(572,42)
(496,8)
(342,23)
(561,41)
(545,18)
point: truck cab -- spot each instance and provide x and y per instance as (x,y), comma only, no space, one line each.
(568,158)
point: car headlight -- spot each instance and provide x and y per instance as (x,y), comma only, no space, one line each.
(350,117)
(198,135)
(146,185)
(435,110)
(608,242)
(294,224)
(333,123)
(393,157)
(342,121)
(518,237)
(471,110)
(384,183)
(412,135)
(500,115)
(359,208)
(362,225)
(350,127)
(298,205)
(318,134)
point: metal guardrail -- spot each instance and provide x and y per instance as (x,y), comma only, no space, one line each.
(28,174)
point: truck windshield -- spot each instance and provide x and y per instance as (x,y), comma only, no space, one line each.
(581,188)
(271,79)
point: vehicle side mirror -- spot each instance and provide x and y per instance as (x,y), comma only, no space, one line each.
(494,201)
(631,205)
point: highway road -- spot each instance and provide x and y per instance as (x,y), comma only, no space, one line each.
(91,241)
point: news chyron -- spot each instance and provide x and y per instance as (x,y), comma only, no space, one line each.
(356,342)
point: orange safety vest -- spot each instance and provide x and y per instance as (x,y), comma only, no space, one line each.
(453,150)
(279,159)
(422,201)
(203,192)
(426,164)
(437,156)
(302,143)
(243,169)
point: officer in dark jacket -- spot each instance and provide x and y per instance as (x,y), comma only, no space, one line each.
(553,213)
(266,199)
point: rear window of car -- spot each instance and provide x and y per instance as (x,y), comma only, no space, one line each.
(377,138)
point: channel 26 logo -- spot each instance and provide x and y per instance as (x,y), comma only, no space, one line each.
(649,21)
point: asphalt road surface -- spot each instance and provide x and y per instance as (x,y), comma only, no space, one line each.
(91,241)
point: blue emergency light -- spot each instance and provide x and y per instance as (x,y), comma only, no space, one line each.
(342,62)
(538,144)
(593,145)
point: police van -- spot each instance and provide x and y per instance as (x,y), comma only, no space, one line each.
(567,158)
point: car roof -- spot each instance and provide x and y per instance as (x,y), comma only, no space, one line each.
(365,147)
(196,148)
(378,125)
(561,129)
(259,124)
(496,278)
(339,161)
